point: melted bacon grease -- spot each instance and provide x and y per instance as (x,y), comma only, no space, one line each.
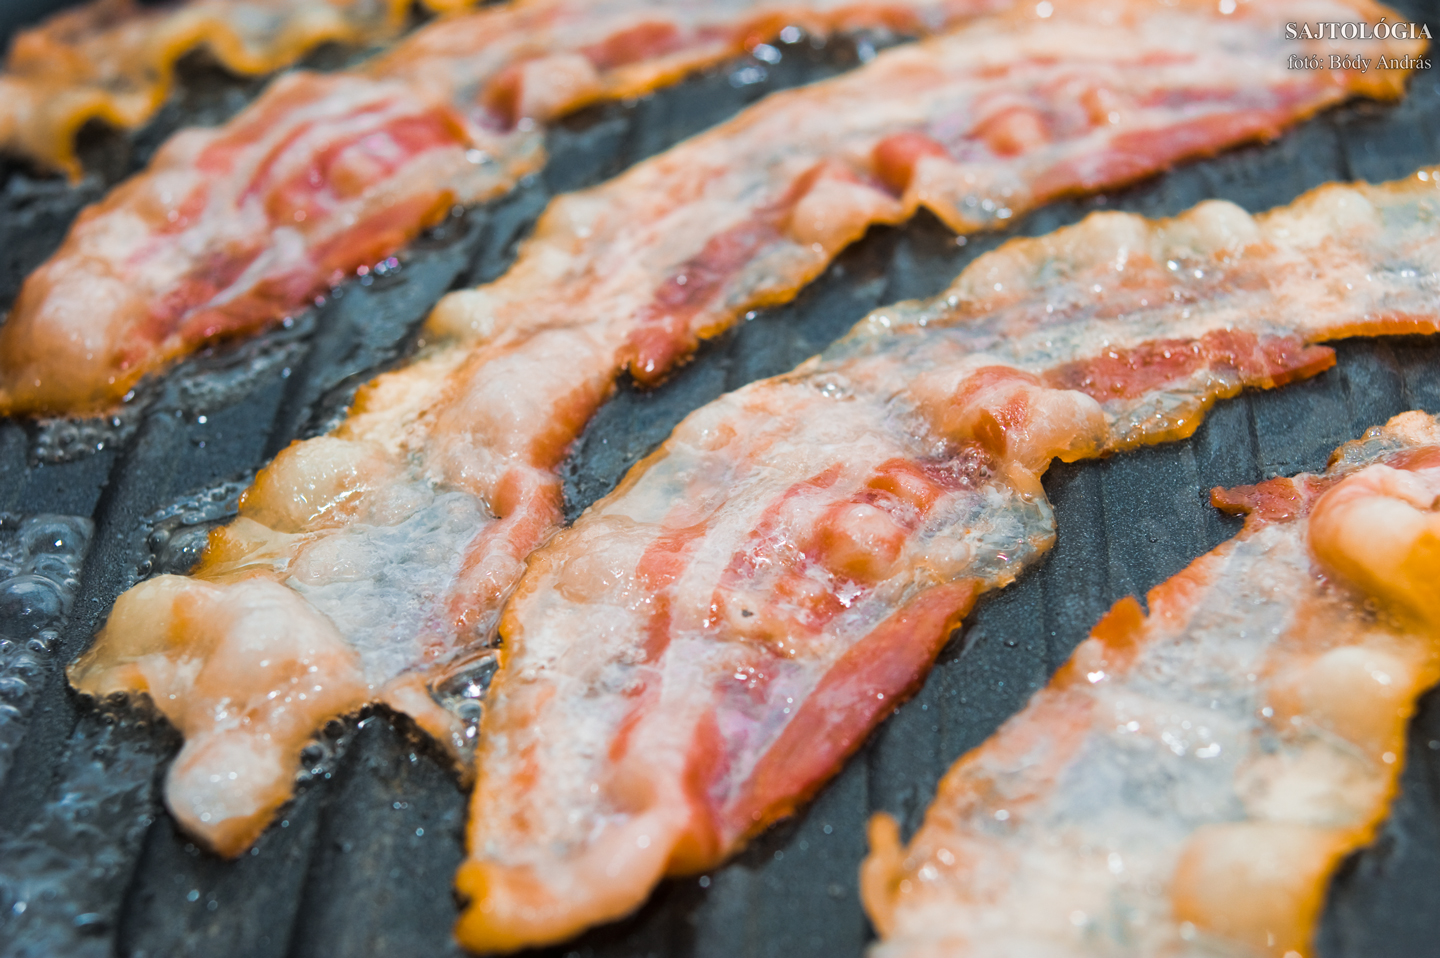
(1189,780)
(374,562)
(231,229)
(707,644)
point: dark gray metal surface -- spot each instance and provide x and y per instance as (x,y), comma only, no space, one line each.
(360,863)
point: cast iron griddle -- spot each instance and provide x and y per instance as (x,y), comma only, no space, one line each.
(360,862)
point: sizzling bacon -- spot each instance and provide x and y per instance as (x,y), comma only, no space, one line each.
(232,229)
(977,127)
(705,646)
(1189,780)
(114,60)
(407,529)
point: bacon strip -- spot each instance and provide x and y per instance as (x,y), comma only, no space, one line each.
(1189,780)
(704,647)
(114,60)
(397,539)
(231,229)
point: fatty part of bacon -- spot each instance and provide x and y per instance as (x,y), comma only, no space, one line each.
(705,646)
(114,60)
(487,416)
(232,229)
(1188,782)
(327,593)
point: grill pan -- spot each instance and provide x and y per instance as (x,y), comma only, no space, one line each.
(360,862)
